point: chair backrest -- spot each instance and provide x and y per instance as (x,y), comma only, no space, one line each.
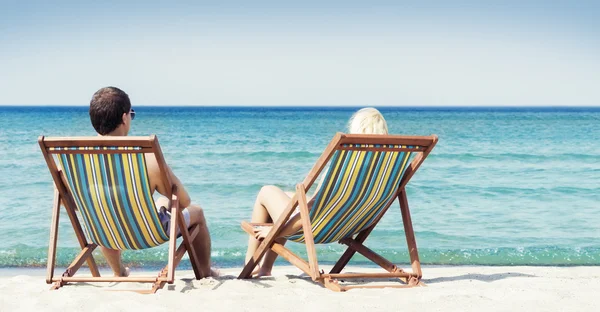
(361,182)
(110,187)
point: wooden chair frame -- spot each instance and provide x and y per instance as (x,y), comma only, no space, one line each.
(63,197)
(421,145)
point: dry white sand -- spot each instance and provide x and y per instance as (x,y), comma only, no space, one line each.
(460,288)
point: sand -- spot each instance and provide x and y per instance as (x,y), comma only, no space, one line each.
(459,288)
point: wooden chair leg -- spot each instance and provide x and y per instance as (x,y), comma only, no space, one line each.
(253,262)
(188,242)
(349,253)
(308,235)
(377,259)
(410,234)
(69,207)
(332,281)
(269,240)
(57,285)
(192,235)
(159,284)
(84,255)
(53,237)
(370,254)
(360,238)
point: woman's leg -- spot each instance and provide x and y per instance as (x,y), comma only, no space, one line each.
(269,259)
(270,203)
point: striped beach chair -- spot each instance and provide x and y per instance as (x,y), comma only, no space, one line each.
(366,174)
(104,182)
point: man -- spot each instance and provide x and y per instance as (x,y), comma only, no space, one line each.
(111,115)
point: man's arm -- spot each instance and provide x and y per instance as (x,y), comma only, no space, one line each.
(158,184)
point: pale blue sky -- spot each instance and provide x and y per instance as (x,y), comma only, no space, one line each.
(501,53)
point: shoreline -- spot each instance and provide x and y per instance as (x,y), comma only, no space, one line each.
(454,288)
(104,270)
(41,270)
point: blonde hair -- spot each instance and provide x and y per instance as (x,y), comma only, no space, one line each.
(367,121)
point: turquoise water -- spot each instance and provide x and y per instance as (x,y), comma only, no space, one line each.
(502,187)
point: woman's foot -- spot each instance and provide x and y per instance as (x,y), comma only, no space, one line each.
(262,273)
(259,271)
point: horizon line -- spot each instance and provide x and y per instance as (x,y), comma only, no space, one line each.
(317,106)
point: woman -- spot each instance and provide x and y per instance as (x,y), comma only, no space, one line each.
(271,201)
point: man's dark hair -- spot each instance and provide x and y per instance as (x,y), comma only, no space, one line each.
(107,108)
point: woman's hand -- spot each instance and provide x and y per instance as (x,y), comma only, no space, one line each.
(261,232)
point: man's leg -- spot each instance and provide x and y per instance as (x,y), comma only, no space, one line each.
(202,241)
(113,258)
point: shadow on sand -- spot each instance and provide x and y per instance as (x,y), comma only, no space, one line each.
(479,277)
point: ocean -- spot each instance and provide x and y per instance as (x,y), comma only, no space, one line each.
(503,186)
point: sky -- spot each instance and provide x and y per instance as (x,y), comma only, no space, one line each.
(302,53)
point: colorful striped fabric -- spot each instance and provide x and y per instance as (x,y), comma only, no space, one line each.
(356,189)
(113,194)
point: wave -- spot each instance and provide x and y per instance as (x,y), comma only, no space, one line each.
(259,155)
(26,256)
(514,156)
(529,191)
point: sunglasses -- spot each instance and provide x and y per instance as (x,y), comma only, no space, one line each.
(132,113)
